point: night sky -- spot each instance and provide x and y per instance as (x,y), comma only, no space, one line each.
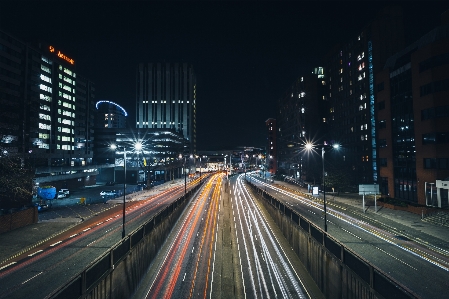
(245,54)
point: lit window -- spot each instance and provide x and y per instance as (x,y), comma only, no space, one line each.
(45,69)
(45,59)
(45,87)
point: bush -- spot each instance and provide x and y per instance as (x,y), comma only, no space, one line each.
(393,201)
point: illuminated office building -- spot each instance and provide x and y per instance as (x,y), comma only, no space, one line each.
(271,153)
(166,99)
(47,118)
(300,119)
(350,70)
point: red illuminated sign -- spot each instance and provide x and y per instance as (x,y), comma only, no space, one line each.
(60,55)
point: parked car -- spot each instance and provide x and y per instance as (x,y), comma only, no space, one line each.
(110,183)
(65,191)
(60,195)
(108,193)
(41,207)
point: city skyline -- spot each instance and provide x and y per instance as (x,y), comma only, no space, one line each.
(245,55)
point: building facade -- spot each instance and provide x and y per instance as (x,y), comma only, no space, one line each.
(413,121)
(48,117)
(301,118)
(166,99)
(271,153)
(350,70)
(110,115)
(156,161)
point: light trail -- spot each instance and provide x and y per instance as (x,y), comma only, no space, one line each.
(268,259)
(203,213)
(425,251)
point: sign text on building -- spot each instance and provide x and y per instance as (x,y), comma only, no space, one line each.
(60,55)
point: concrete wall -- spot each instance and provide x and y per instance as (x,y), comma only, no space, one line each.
(338,272)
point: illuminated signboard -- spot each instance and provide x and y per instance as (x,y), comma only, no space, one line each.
(60,55)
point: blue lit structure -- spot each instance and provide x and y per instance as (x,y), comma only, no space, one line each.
(372,114)
(110,115)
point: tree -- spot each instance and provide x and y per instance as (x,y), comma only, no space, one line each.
(337,178)
(16,183)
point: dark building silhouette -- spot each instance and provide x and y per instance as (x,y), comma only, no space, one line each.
(301,118)
(350,70)
(413,120)
(110,115)
(271,154)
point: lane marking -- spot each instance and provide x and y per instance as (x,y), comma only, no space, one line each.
(52,245)
(6,266)
(35,252)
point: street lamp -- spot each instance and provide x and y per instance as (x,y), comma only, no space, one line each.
(309,146)
(138,147)
(224,166)
(185,174)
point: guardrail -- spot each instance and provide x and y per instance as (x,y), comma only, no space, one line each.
(80,285)
(376,279)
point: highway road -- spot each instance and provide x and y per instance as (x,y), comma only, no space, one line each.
(222,247)
(267,271)
(188,266)
(50,265)
(421,267)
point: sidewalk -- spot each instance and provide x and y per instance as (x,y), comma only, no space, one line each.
(406,224)
(63,215)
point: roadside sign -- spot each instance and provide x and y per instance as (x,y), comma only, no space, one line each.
(368,189)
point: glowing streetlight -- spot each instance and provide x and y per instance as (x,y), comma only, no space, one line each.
(309,146)
(185,175)
(138,147)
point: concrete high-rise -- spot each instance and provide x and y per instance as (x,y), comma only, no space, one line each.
(47,117)
(166,98)
(350,69)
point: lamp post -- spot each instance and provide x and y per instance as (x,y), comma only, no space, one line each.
(185,174)
(137,146)
(224,166)
(309,146)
